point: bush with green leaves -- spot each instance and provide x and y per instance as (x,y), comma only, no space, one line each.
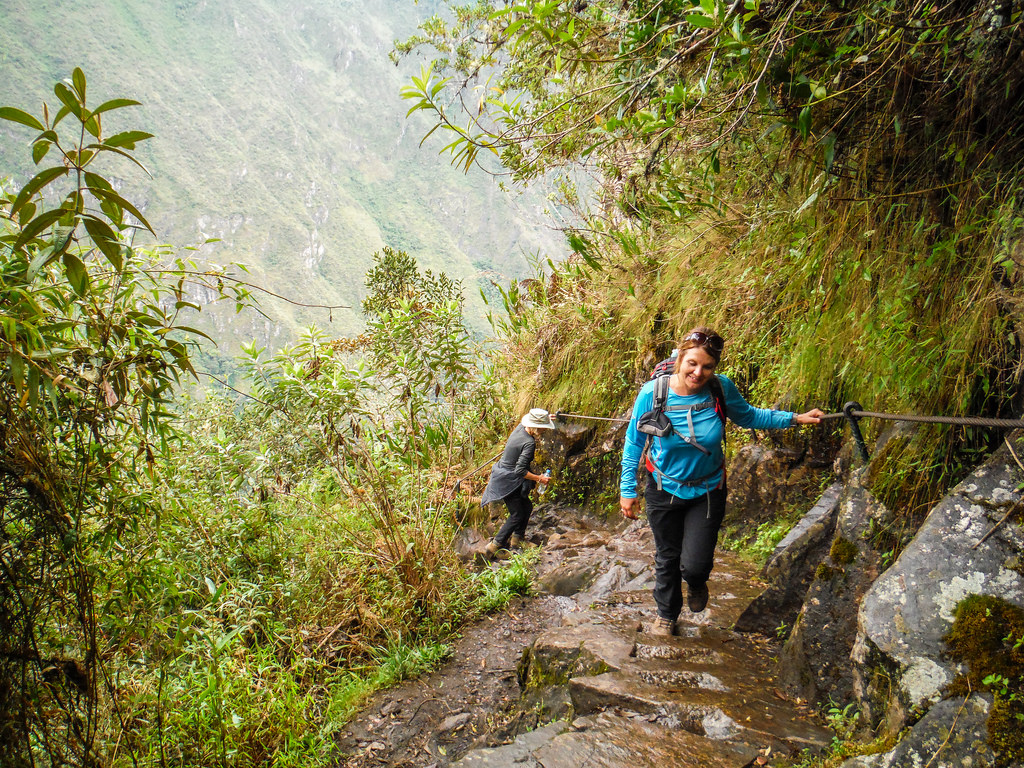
(92,349)
(835,188)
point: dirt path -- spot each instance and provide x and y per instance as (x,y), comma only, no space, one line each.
(469,702)
(590,665)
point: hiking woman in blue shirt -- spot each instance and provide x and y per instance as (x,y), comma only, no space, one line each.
(685,493)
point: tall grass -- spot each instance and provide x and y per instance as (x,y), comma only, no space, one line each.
(819,305)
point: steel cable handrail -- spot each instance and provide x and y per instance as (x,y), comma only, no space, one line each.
(964,421)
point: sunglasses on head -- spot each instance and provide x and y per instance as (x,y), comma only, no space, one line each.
(712,341)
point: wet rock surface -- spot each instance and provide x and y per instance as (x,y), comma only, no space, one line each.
(952,735)
(969,544)
(816,656)
(572,677)
(791,567)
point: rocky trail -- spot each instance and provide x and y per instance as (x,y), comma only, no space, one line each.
(571,677)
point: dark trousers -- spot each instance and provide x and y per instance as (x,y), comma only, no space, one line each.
(520,508)
(685,535)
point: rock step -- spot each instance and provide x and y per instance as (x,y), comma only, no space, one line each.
(609,740)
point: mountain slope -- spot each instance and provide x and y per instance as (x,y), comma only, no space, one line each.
(280,131)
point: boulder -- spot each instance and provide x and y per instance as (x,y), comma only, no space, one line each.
(964,547)
(816,655)
(570,577)
(791,568)
(760,477)
(951,735)
(470,544)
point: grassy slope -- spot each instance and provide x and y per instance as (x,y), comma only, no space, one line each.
(279,130)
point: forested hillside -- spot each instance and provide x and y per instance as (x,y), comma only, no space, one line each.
(282,135)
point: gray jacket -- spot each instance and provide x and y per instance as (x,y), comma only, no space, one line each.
(508,475)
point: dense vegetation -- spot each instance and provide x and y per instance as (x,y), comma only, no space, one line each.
(215,581)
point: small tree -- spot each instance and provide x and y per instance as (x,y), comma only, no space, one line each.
(91,351)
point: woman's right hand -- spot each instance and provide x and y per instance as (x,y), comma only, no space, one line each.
(628,507)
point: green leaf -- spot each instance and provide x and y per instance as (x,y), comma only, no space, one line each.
(68,99)
(17,116)
(64,112)
(106,194)
(699,20)
(94,180)
(41,259)
(39,150)
(28,210)
(37,225)
(127,139)
(78,80)
(36,183)
(105,239)
(107,106)
(189,329)
(76,273)
(804,122)
(92,125)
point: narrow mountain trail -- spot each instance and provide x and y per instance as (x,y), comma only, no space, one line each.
(571,677)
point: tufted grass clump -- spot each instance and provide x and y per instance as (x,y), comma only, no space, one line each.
(988,636)
(498,586)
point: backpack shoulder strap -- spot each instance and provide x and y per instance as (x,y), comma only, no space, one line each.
(718,395)
(660,394)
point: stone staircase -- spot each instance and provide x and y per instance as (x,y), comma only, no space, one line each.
(617,696)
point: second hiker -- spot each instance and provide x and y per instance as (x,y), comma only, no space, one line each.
(685,492)
(511,479)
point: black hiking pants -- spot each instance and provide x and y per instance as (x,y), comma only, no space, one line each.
(685,535)
(520,507)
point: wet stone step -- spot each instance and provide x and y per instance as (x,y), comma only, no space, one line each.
(651,651)
(610,740)
(673,678)
(591,695)
(748,716)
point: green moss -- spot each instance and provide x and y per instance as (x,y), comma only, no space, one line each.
(824,572)
(988,637)
(843,551)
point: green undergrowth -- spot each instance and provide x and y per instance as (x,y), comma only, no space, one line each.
(272,618)
(817,308)
(513,578)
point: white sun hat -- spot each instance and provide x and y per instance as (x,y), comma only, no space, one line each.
(538,418)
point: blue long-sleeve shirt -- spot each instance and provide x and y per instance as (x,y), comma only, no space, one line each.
(677,459)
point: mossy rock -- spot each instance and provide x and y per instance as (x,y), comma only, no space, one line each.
(824,572)
(988,636)
(843,551)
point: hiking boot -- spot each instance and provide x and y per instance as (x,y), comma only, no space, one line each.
(662,627)
(697,597)
(494,551)
(515,542)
